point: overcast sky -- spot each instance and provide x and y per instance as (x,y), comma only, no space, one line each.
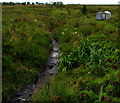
(68,1)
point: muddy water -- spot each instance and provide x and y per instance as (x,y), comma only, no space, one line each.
(26,93)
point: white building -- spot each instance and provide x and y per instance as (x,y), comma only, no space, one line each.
(103,15)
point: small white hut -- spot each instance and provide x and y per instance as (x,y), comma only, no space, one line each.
(103,15)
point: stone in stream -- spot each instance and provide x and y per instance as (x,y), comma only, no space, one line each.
(55,49)
(51,73)
(33,86)
(52,61)
(25,92)
(50,66)
(21,99)
(54,55)
(54,68)
(54,42)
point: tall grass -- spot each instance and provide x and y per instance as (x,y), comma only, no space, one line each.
(55,91)
(26,47)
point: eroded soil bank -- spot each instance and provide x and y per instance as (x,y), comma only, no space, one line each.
(26,93)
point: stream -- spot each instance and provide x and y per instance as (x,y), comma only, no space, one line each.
(26,93)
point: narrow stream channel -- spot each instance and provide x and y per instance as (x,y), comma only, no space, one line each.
(26,93)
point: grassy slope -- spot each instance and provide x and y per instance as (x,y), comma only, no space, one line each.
(26,46)
(89,60)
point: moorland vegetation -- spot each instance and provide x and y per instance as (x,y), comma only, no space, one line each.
(89,59)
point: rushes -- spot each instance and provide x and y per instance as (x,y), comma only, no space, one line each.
(100,96)
(92,55)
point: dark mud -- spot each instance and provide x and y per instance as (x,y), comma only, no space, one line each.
(26,93)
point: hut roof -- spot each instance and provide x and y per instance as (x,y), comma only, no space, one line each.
(104,12)
(107,12)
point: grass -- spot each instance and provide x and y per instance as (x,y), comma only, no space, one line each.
(52,92)
(89,52)
(26,48)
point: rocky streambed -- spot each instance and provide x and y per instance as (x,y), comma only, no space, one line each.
(26,93)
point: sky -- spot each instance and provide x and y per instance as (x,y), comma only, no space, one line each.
(68,1)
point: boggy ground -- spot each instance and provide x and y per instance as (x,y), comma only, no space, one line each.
(89,51)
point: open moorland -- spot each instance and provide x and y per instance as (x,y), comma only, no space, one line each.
(89,61)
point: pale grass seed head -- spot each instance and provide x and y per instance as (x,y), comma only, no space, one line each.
(35,20)
(76,32)
(63,33)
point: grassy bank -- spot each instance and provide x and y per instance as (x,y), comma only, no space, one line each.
(89,68)
(26,46)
